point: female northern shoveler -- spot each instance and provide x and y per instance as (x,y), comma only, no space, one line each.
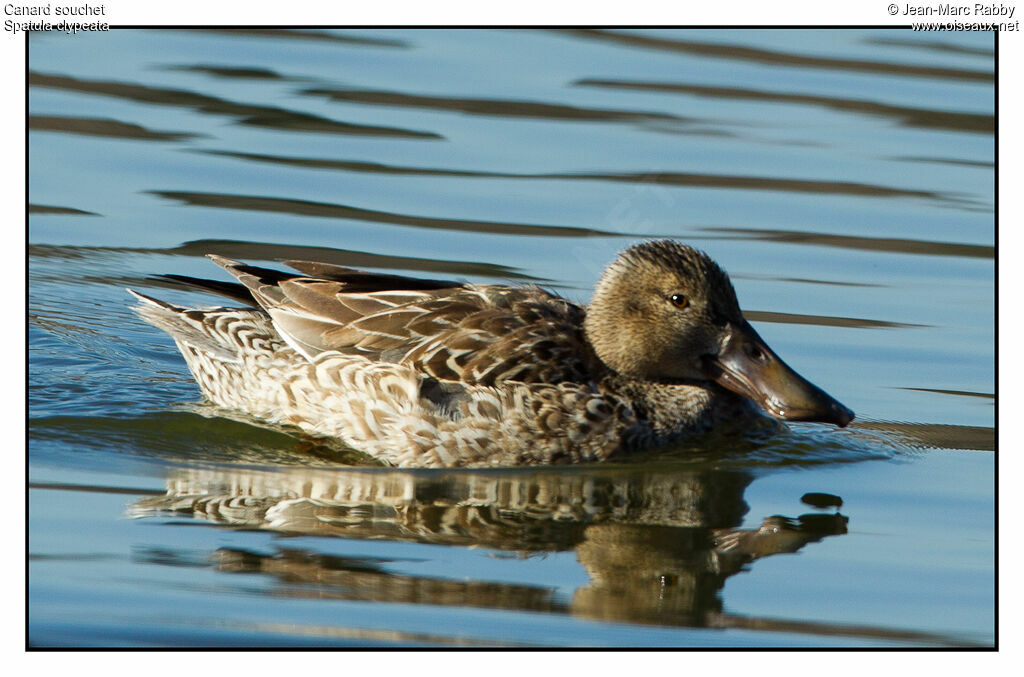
(436,373)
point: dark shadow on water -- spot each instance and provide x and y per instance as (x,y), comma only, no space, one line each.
(946,161)
(878,244)
(52,209)
(959,393)
(825,320)
(912,117)
(246,114)
(932,46)
(269,251)
(302,34)
(804,280)
(112,129)
(231,72)
(331,210)
(737,52)
(653,177)
(505,108)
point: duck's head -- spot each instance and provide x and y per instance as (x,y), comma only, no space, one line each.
(664,311)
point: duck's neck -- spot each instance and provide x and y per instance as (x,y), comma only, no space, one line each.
(672,409)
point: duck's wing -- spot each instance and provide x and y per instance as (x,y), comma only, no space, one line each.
(448,330)
(488,335)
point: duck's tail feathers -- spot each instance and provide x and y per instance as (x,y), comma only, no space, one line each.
(197,329)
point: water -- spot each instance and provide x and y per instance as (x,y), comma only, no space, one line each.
(844,178)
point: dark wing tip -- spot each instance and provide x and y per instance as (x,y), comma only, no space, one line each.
(362,281)
(231,290)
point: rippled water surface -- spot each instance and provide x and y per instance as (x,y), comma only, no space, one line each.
(844,178)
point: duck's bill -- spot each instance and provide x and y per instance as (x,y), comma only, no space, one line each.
(747,366)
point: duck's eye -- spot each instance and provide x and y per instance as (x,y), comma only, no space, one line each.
(679,300)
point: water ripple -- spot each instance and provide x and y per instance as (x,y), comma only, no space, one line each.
(338,211)
(773,58)
(654,177)
(911,117)
(506,108)
(246,114)
(114,129)
(878,244)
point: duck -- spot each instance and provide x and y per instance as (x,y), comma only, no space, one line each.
(437,373)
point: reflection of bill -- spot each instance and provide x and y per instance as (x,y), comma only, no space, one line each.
(657,545)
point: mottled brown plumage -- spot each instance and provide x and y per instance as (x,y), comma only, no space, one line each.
(437,373)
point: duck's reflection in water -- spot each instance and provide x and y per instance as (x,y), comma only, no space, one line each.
(657,544)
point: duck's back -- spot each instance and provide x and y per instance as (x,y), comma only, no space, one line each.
(441,375)
(473,334)
(484,335)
